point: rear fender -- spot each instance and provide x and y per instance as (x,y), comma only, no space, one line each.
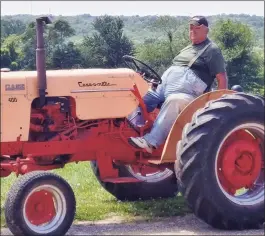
(169,151)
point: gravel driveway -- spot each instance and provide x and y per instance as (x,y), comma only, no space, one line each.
(187,225)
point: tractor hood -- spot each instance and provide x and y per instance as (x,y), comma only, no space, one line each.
(66,82)
(98,93)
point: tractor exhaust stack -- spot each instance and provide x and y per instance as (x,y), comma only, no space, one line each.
(40,58)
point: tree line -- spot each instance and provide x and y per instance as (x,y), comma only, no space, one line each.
(107,44)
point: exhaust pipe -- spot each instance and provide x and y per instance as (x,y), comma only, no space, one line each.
(40,58)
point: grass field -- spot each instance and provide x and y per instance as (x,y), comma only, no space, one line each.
(94,203)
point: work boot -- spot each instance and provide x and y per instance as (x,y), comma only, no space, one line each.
(141,143)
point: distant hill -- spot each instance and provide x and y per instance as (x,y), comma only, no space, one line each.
(138,27)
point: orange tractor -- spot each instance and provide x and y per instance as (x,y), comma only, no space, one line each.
(214,153)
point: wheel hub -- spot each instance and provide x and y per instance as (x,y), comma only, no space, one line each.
(40,207)
(240,162)
(244,163)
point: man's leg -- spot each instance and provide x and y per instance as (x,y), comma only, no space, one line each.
(179,91)
(173,105)
(152,99)
(171,108)
(169,111)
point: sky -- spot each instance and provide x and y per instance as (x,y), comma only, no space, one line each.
(127,8)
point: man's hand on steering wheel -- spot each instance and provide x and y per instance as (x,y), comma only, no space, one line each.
(146,72)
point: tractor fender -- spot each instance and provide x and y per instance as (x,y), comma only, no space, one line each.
(169,150)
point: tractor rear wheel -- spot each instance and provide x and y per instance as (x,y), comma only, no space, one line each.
(156,184)
(40,203)
(220,162)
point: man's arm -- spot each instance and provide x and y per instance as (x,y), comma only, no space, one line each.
(216,65)
(222,80)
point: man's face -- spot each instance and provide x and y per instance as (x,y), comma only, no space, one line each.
(197,33)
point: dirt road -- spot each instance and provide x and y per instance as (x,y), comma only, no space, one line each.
(188,225)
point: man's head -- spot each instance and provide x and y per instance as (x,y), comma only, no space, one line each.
(198,29)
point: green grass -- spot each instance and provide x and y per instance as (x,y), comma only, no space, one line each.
(95,203)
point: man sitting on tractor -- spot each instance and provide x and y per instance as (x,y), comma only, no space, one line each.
(191,74)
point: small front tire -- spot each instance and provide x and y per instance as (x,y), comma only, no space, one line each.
(40,203)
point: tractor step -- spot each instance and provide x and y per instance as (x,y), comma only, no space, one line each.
(160,162)
(155,162)
(122,180)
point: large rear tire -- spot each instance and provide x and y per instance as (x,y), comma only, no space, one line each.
(40,203)
(220,162)
(158,185)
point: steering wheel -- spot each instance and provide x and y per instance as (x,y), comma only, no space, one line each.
(146,72)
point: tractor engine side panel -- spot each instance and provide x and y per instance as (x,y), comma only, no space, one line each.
(15,109)
(98,93)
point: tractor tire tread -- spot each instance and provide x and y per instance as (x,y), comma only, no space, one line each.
(190,163)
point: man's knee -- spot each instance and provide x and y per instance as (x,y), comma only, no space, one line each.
(179,100)
(173,98)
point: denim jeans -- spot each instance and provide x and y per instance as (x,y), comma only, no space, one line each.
(179,87)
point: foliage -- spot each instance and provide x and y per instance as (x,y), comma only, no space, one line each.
(5,58)
(138,28)
(67,56)
(19,51)
(60,54)
(236,42)
(59,31)
(107,46)
(10,51)
(168,25)
(11,26)
(159,54)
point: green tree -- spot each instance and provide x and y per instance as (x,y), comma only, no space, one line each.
(11,44)
(236,41)
(57,50)
(11,26)
(170,26)
(155,54)
(14,66)
(59,31)
(67,57)
(29,47)
(160,53)
(59,53)
(5,58)
(107,45)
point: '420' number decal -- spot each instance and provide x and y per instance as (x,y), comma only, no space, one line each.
(12,99)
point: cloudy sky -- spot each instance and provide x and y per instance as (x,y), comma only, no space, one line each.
(185,8)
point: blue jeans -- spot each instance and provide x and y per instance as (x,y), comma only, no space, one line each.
(179,87)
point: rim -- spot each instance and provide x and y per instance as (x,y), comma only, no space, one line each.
(239,166)
(44,209)
(149,174)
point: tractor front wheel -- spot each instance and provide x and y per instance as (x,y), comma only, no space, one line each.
(220,162)
(40,203)
(156,183)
